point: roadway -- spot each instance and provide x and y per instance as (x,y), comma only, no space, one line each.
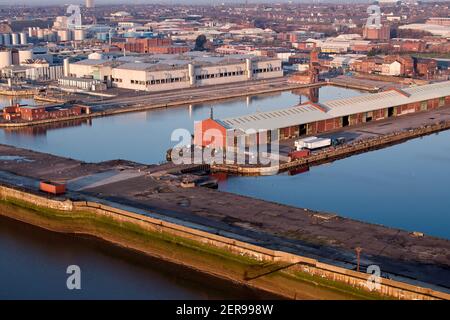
(126,98)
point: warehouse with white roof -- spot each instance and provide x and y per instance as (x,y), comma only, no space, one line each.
(163,72)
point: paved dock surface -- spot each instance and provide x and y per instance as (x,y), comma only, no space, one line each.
(156,189)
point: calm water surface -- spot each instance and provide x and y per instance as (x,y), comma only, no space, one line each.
(33,265)
(143,136)
(404,186)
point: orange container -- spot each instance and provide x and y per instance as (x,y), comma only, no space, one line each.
(299,154)
(51,187)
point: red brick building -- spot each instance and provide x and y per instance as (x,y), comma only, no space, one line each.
(408,45)
(377,33)
(211,130)
(315,118)
(35,113)
(426,68)
(152,45)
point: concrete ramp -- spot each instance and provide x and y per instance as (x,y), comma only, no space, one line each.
(102,178)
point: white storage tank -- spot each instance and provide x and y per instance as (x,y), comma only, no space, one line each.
(95,56)
(40,33)
(79,35)
(5,59)
(66,67)
(15,39)
(63,35)
(25,55)
(23,38)
(7,39)
(50,35)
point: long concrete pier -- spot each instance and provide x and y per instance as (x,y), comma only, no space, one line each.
(360,280)
(422,261)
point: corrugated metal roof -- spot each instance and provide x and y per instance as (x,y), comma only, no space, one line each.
(364,103)
(308,113)
(282,118)
(386,99)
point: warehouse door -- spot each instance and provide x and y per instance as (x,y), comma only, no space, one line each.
(345,121)
(302,131)
(390,112)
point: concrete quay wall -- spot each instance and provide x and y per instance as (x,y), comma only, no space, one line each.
(390,288)
(37,200)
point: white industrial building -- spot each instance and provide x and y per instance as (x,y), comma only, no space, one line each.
(168,72)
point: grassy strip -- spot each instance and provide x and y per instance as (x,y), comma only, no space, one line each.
(88,219)
(203,257)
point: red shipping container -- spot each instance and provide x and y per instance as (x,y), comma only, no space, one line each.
(53,188)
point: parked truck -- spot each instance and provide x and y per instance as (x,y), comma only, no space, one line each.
(312,143)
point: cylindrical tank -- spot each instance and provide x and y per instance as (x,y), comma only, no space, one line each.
(191,74)
(5,59)
(102,36)
(66,67)
(23,38)
(89,3)
(25,55)
(95,56)
(30,32)
(40,33)
(249,68)
(7,39)
(64,35)
(50,36)
(15,39)
(79,35)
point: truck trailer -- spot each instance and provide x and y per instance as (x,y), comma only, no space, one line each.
(312,143)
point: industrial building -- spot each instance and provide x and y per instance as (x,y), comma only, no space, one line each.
(168,72)
(44,112)
(315,118)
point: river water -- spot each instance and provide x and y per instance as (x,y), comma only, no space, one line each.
(143,136)
(33,265)
(403,186)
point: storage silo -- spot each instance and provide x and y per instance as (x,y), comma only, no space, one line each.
(7,39)
(23,38)
(50,36)
(63,35)
(25,55)
(79,35)
(5,59)
(15,39)
(102,36)
(96,56)
(66,67)
(40,33)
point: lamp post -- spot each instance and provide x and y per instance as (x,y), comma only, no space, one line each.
(358,254)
